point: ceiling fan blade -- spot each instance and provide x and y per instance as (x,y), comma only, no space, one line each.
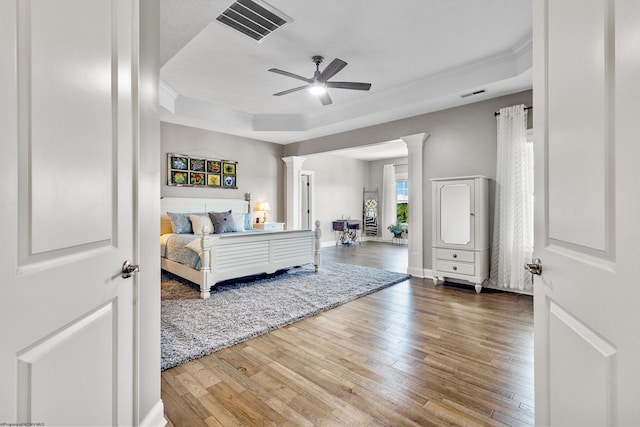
(286,73)
(295,89)
(332,69)
(349,85)
(325,99)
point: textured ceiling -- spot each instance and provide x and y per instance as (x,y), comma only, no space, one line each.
(419,55)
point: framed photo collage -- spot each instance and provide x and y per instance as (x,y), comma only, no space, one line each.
(187,171)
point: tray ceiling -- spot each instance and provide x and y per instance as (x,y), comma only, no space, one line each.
(420,56)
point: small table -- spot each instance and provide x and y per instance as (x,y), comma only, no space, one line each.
(269,226)
(347,231)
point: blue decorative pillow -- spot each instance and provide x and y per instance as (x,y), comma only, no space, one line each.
(222,222)
(180,222)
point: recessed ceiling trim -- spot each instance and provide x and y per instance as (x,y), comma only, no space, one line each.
(253,18)
(497,75)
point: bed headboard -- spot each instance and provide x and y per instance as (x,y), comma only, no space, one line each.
(188,204)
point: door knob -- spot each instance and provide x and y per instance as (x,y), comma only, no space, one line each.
(535,267)
(129,269)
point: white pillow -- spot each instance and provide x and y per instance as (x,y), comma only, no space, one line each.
(239,221)
(199,222)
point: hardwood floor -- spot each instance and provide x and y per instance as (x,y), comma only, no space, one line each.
(410,354)
(386,256)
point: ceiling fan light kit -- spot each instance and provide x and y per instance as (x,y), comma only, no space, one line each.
(319,83)
(317,89)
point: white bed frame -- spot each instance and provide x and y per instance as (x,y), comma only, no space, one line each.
(230,255)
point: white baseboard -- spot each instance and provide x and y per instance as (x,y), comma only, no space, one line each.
(423,273)
(515,291)
(155,417)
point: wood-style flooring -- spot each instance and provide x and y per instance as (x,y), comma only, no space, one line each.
(410,354)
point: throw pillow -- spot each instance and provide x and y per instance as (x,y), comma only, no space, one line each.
(222,222)
(240,221)
(200,222)
(180,223)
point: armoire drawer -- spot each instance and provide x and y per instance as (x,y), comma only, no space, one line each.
(455,255)
(455,267)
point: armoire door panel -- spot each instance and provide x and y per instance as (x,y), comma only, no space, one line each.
(455,213)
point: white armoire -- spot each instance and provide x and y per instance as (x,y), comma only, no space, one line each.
(460,229)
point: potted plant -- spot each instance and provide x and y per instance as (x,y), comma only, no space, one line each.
(396,228)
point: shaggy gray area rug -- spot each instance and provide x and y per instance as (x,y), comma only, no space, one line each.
(240,310)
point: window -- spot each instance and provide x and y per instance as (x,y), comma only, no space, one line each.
(402,200)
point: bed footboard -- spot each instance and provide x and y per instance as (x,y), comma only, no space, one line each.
(231,256)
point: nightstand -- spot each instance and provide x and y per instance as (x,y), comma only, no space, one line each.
(269,226)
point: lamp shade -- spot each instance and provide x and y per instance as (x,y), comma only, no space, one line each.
(262,206)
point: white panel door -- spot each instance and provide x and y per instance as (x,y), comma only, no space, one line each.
(587,211)
(67,79)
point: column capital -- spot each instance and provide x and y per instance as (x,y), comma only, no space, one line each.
(415,141)
(294,160)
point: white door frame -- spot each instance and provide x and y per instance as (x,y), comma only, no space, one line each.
(310,194)
(292,191)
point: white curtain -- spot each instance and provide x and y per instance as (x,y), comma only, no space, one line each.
(389,201)
(513,219)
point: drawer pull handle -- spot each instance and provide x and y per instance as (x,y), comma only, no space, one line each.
(455,255)
(455,268)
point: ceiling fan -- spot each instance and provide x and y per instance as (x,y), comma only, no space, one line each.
(319,83)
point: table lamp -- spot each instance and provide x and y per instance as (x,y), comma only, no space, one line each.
(264,208)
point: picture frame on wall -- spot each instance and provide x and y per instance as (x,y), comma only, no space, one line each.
(229,181)
(188,171)
(229,168)
(213,180)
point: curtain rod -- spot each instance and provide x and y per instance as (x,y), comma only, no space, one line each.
(497,113)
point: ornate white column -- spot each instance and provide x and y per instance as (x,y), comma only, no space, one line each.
(292,191)
(415,146)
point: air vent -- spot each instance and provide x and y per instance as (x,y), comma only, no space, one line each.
(253,18)
(478,92)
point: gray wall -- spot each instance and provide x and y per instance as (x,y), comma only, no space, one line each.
(462,142)
(260,166)
(338,189)
(375,171)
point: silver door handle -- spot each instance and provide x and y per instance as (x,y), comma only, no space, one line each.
(535,267)
(129,269)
